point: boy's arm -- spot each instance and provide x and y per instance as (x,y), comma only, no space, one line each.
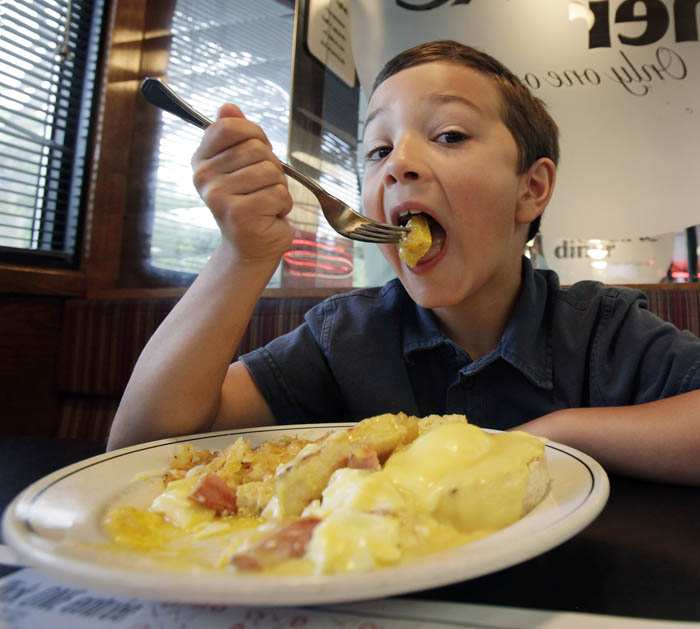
(183,382)
(658,440)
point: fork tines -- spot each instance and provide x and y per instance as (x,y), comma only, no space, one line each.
(376,232)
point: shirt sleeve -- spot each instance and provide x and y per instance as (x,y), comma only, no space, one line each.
(293,375)
(638,357)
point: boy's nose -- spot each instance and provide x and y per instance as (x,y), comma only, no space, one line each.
(403,167)
(401,176)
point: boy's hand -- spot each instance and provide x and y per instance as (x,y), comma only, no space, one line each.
(242,182)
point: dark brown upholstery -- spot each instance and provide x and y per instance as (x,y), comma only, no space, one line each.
(102,339)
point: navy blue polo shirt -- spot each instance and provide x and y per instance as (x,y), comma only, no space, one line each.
(374,351)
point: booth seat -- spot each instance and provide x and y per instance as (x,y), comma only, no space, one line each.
(102,338)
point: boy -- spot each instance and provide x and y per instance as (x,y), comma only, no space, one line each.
(471,329)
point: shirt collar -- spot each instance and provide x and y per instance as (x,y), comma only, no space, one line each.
(526,343)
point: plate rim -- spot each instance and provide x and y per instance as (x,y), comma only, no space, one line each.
(19,534)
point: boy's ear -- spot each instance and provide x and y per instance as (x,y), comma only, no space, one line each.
(536,188)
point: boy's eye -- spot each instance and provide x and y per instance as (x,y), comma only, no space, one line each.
(451,137)
(378,153)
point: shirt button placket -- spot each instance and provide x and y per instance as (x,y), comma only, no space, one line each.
(459,398)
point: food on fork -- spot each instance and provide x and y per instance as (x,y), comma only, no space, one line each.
(385,491)
(416,242)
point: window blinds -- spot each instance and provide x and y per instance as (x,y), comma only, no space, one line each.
(48,63)
(239,52)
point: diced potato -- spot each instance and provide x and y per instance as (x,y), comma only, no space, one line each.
(253,497)
(384,433)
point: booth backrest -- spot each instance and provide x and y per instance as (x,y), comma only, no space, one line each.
(102,338)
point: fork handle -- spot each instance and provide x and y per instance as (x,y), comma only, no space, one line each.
(158,93)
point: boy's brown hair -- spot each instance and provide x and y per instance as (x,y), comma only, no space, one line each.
(535,132)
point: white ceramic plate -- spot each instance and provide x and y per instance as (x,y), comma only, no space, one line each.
(44,521)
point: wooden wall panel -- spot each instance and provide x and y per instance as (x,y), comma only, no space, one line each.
(30,329)
(112,180)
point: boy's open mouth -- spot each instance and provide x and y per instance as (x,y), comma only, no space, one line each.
(437,234)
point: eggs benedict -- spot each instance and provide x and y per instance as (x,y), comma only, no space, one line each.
(388,490)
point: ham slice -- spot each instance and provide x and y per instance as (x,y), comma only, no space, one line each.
(211,491)
(289,541)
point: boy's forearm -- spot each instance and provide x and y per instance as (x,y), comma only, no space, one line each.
(659,440)
(175,387)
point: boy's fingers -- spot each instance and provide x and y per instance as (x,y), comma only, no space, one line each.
(252,178)
(230,129)
(228,110)
(245,153)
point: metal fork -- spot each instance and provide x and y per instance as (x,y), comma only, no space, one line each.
(340,216)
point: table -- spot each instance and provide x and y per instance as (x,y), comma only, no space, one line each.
(640,558)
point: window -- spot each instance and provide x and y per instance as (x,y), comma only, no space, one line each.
(242,53)
(220,52)
(49,53)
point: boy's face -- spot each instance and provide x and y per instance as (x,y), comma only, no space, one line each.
(435,142)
